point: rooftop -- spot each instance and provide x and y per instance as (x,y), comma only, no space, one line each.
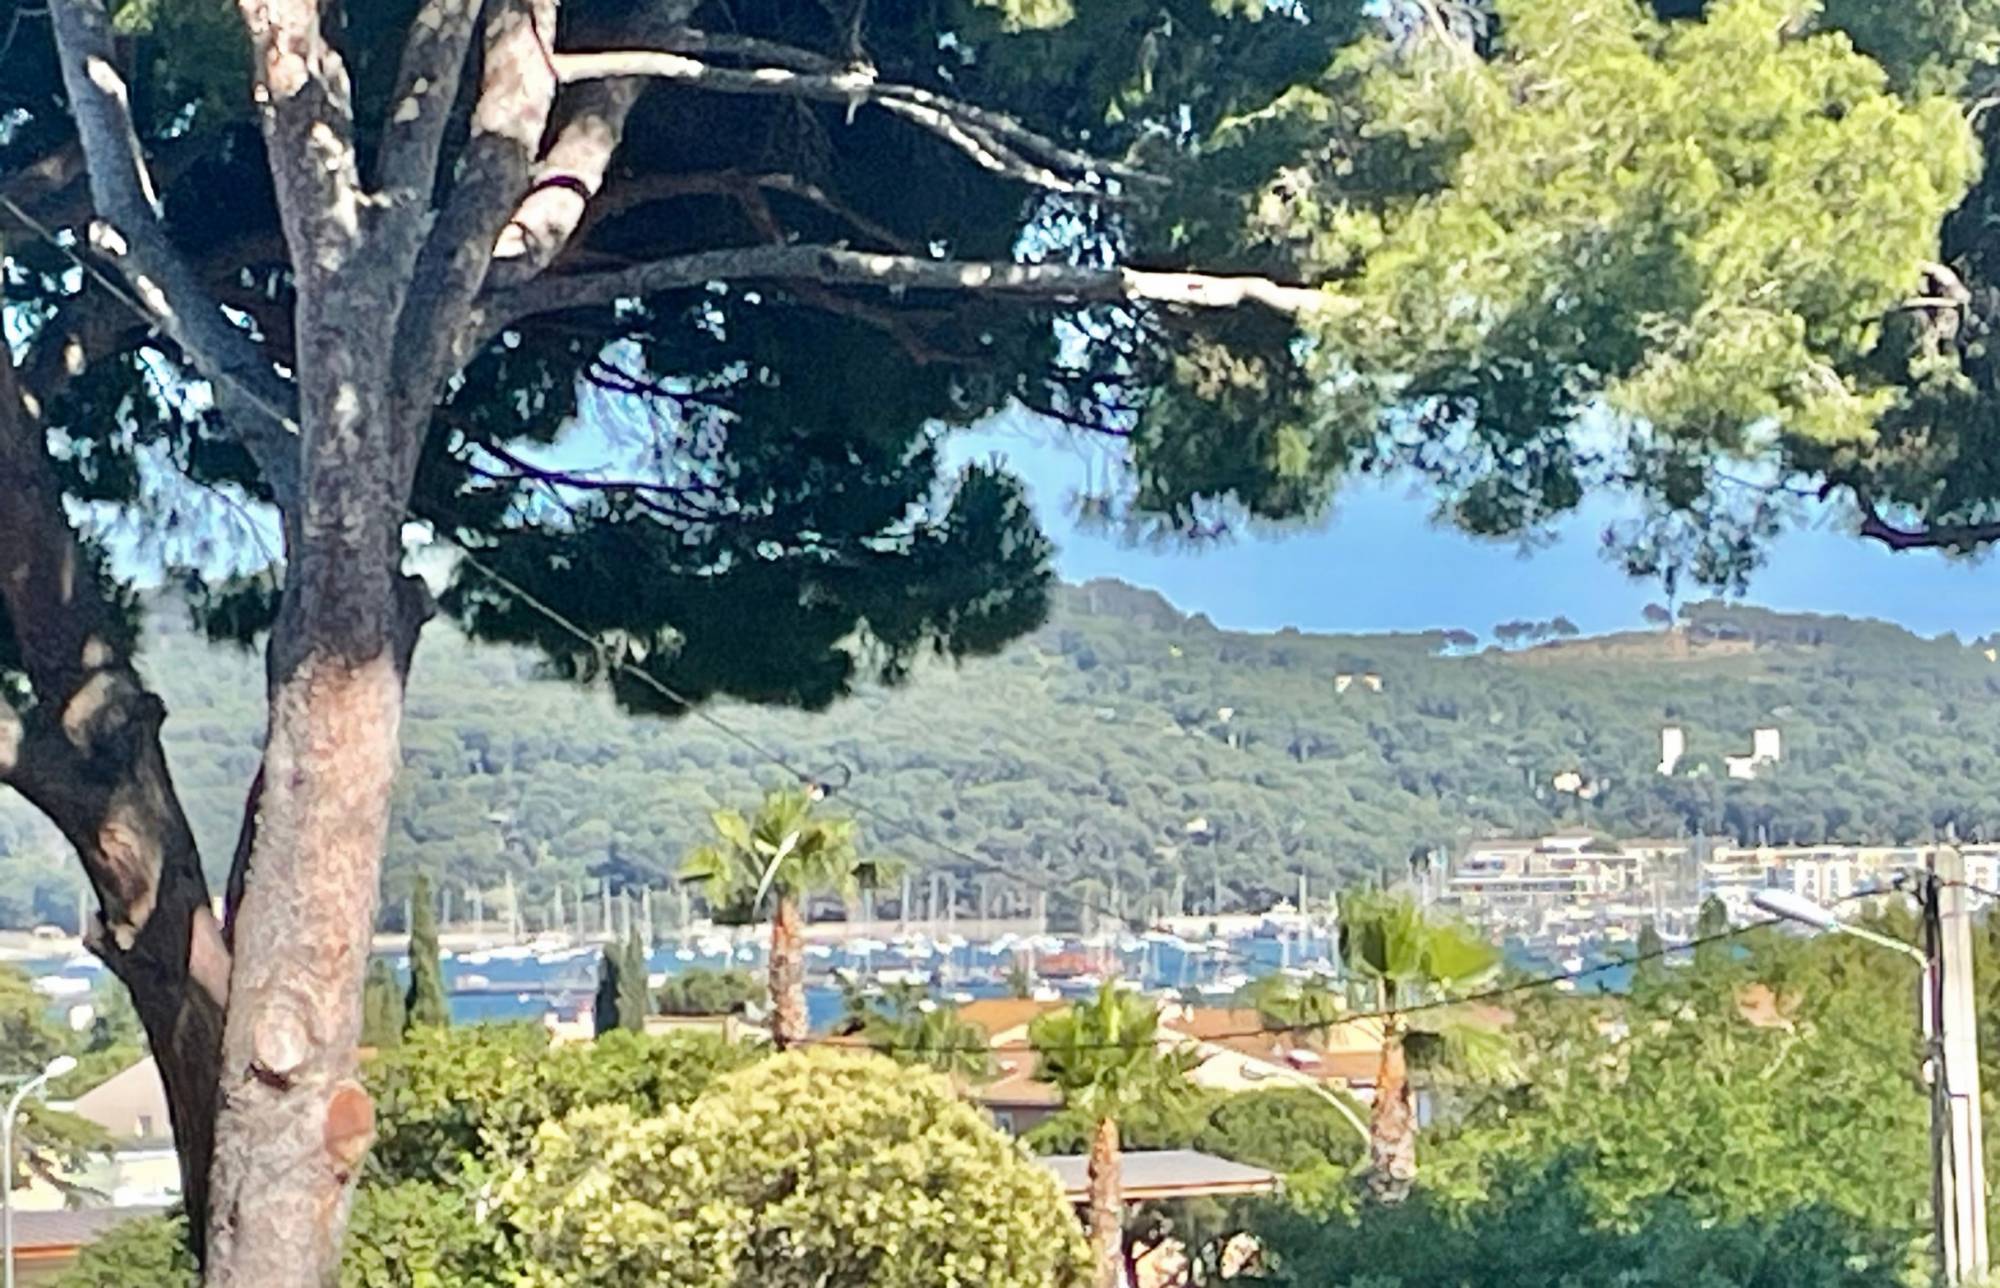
(49,1234)
(1163,1174)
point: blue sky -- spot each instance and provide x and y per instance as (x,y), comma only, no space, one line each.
(1380,563)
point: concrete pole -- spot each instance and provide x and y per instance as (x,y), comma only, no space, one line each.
(1957,1132)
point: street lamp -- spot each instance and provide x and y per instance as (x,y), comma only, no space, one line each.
(1796,907)
(57,1068)
(1951,1054)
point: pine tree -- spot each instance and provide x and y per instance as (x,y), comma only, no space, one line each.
(425,1003)
(382,1009)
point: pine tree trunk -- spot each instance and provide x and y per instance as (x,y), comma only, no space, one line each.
(1106,1207)
(1392,1127)
(87,755)
(295,1121)
(788,974)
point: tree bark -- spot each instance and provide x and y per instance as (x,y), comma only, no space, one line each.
(788,974)
(87,754)
(1392,1127)
(295,1121)
(1106,1207)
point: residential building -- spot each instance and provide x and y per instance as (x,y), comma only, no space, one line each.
(139,1169)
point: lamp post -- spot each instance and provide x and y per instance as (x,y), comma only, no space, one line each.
(1951,1055)
(57,1068)
(1796,907)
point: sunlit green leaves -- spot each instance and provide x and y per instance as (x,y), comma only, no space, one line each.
(811,1168)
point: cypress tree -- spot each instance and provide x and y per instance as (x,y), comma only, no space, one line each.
(634,1003)
(425,1003)
(1713,919)
(610,987)
(1652,967)
(381,1007)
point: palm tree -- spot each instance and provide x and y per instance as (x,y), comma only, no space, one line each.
(1105,1055)
(1408,962)
(768,866)
(907,1024)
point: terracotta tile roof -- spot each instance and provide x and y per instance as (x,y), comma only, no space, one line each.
(46,1232)
(1348,1052)
(996,1015)
(1016,1083)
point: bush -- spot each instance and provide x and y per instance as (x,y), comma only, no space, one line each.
(700,990)
(812,1168)
(449,1099)
(150,1252)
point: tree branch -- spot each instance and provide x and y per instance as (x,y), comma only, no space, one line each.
(307,110)
(571,172)
(838,266)
(1963,538)
(565,179)
(517,90)
(163,287)
(993,140)
(427,82)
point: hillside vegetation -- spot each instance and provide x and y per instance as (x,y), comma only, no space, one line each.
(1127,743)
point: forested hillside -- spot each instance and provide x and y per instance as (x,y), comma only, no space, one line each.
(1125,741)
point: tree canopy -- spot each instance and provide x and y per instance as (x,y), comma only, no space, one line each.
(816,1167)
(762,259)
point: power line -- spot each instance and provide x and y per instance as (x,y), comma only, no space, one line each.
(855,805)
(900,827)
(1494,993)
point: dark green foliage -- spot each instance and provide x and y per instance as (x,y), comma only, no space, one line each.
(426,1005)
(635,1001)
(622,1000)
(700,990)
(29,1039)
(1712,919)
(1285,1129)
(606,1009)
(474,1096)
(1652,967)
(147,1252)
(1075,752)
(403,1235)
(382,1007)
(1703,1131)
(1537,1232)
(417,1233)
(906,1024)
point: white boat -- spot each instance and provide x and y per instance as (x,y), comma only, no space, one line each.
(61,986)
(683,954)
(1573,963)
(472,981)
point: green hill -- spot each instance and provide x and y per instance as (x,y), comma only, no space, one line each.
(1128,742)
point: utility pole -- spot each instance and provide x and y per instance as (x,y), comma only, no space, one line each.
(1958,1167)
